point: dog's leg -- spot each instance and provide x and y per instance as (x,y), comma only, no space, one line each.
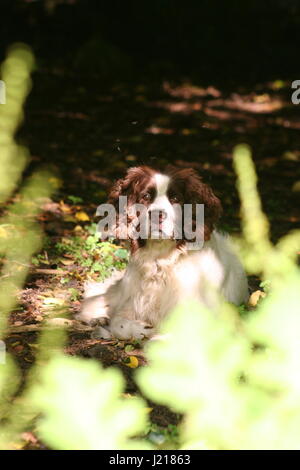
(97,297)
(123,328)
(94,310)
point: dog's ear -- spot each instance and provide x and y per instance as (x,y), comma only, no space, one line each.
(197,192)
(122,187)
(200,193)
(129,186)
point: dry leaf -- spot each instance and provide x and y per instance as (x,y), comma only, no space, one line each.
(255,297)
(66,262)
(133,362)
(82,216)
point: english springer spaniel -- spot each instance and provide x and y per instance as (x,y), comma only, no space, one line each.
(167,265)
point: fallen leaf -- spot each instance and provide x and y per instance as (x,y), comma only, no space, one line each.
(64,207)
(255,297)
(3,232)
(66,262)
(133,362)
(82,216)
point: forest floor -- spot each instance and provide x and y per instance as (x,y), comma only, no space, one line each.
(89,134)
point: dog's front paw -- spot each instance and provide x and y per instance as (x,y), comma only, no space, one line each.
(94,310)
(101,333)
(141,330)
(123,328)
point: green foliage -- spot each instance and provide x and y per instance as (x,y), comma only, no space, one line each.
(74,294)
(163,437)
(75,199)
(235,378)
(82,407)
(260,256)
(237,382)
(198,374)
(20,235)
(89,252)
(16,76)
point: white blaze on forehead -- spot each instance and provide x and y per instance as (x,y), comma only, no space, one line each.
(162,183)
(162,203)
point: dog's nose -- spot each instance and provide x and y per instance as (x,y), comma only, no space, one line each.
(158,214)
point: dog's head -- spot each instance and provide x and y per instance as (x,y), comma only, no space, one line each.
(154,205)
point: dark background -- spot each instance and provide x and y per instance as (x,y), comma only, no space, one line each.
(248,40)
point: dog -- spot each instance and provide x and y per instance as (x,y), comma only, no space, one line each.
(163,269)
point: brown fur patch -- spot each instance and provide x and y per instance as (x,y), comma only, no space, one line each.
(186,187)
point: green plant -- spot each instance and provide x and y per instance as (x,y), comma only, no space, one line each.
(75,199)
(235,378)
(89,252)
(102,421)
(237,382)
(20,235)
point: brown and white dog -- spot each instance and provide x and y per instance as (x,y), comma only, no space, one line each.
(163,270)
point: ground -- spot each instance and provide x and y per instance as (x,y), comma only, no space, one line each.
(88,133)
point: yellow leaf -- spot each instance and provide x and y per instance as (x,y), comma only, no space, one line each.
(64,207)
(82,216)
(133,363)
(255,297)
(148,410)
(3,232)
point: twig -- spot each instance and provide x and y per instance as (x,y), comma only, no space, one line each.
(51,324)
(50,271)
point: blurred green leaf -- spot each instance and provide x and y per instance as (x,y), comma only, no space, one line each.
(82,408)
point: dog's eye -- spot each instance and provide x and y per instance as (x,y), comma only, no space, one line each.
(174,199)
(146,197)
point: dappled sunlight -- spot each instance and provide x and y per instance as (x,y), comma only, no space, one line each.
(208,108)
(293,123)
(251,103)
(187,90)
(179,106)
(159,130)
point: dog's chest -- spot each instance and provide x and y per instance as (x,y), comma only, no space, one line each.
(160,284)
(155,291)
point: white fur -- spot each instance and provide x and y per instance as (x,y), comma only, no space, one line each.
(159,276)
(162,203)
